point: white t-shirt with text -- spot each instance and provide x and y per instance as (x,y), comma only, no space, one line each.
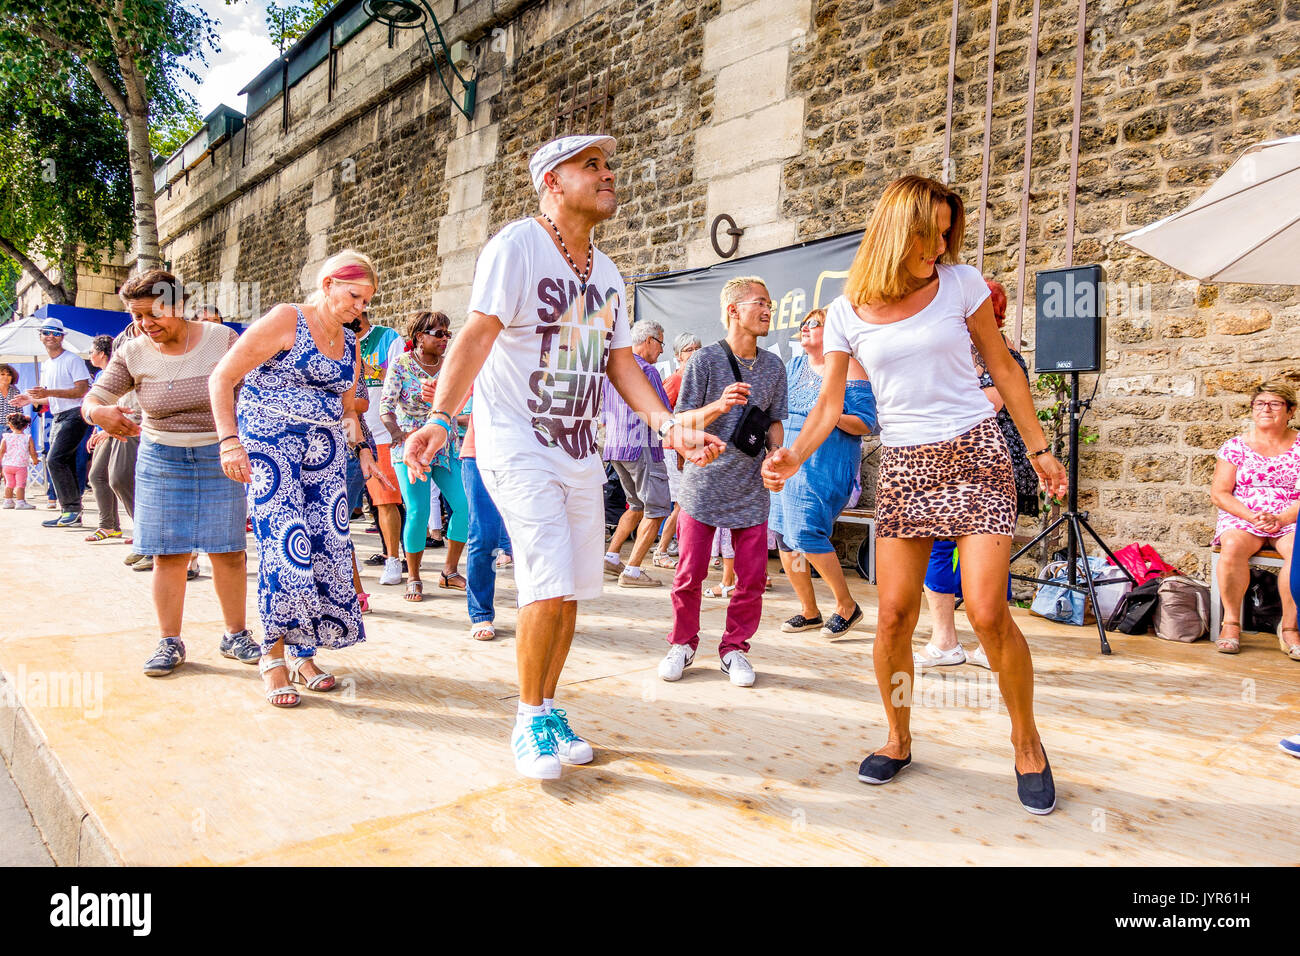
(920,367)
(537,399)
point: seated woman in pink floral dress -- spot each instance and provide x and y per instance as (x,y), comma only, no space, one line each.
(1255,491)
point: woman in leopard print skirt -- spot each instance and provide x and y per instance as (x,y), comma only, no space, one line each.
(910,315)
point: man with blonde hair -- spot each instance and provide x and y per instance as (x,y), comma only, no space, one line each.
(737,391)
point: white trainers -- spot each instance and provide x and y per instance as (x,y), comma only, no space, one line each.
(678,658)
(8,505)
(979,658)
(569,747)
(736,666)
(534,748)
(24,506)
(931,656)
(392,572)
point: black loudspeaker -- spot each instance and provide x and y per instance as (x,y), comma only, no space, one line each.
(1070,311)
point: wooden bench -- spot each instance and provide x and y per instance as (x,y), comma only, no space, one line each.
(1264,558)
(867,550)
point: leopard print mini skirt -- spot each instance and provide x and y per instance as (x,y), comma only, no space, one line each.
(947,489)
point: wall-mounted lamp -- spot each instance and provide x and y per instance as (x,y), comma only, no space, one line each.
(409,14)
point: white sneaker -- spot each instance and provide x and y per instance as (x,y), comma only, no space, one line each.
(979,658)
(392,572)
(931,656)
(8,505)
(736,665)
(24,506)
(569,747)
(534,748)
(678,658)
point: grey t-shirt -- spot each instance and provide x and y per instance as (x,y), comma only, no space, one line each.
(729,492)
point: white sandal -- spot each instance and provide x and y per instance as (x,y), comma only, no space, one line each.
(720,591)
(483,631)
(295,675)
(931,656)
(266,664)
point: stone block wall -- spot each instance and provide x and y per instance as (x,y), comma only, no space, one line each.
(792,115)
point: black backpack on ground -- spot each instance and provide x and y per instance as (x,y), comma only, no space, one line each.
(1135,611)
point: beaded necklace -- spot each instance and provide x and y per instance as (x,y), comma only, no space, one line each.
(583,277)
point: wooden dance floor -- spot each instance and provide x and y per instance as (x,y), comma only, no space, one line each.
(1163,754)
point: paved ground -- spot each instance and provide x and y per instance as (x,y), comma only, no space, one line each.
(20,841)
(1163,754)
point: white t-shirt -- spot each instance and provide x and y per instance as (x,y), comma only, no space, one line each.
(537,399)
(920,367)
(60,373)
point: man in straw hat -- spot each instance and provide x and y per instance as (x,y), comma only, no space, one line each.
(547,324)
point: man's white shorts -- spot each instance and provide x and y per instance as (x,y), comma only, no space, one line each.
(557,534)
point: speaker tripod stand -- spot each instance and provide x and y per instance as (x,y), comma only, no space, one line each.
(1076,522)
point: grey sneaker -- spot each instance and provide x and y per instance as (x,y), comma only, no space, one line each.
(240,647)
(169,656)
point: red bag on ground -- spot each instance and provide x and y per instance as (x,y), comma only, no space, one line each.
(1143,562)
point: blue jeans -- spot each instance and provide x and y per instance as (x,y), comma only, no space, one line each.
(487,539)
(356,484)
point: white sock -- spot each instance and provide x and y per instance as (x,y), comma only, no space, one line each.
(548,703)
(632,572)
(611,557)
(527,712)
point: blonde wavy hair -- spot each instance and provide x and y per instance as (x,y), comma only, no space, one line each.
(906,211)
(345,257)
(733,290)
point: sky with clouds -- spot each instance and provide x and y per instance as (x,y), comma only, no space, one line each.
(246,49)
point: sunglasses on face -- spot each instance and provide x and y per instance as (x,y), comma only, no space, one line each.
(811,324)
(439,334)
(53,335)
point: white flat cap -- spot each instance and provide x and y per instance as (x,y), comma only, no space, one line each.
(566,147)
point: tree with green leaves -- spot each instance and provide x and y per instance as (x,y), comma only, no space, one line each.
(133,51)
(65,186)
(289,22)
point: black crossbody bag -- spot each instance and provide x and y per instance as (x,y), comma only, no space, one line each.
(750,435)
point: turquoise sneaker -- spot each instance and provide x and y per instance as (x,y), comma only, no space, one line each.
(569,747)
(534,748)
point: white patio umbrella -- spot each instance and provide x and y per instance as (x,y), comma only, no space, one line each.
(1245,228)
(21,342)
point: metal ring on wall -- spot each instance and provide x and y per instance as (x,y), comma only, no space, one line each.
(732,231)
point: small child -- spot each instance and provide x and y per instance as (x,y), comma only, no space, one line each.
(17,451)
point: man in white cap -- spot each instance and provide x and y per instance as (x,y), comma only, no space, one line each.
(547,324)
(65,379)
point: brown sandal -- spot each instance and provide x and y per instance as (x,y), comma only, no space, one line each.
(414,591)
(1229,645)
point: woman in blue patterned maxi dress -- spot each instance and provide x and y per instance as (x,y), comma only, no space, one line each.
(296,421)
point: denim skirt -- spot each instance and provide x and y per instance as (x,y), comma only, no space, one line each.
(184,502)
